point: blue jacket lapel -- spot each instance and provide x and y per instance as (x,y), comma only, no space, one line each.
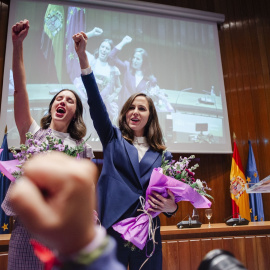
(133,156)
(147,161)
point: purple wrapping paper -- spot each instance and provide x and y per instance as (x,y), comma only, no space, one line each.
(8,167)
(135,229)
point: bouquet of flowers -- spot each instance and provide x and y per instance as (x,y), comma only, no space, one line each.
(179,179)
(180,170)
(12,169)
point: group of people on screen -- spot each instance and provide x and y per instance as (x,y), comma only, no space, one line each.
(118,79)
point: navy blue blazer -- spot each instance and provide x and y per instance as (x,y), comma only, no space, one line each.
(123,178)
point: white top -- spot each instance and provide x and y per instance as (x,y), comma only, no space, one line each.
(102,69)
(138,79)
(142,146)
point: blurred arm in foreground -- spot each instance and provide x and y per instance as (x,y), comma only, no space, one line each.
(56,204)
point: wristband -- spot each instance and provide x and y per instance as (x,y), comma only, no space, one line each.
(90,252)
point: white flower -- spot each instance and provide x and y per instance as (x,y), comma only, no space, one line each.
(199,183)
(177,166)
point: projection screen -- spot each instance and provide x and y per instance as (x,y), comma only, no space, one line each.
(184,72)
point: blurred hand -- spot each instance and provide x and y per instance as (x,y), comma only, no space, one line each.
(55,199)
(20,31)
(160,204)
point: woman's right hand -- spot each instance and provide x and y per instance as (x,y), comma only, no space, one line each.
(80,41)
(20,31)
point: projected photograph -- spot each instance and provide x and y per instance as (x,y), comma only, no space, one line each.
(178,62)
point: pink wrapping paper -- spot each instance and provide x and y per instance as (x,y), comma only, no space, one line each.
(8,167)
(135,229)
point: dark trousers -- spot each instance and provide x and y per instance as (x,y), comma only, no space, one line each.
(135,258)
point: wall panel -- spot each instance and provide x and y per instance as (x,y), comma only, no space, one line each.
(4,6)
(251,251)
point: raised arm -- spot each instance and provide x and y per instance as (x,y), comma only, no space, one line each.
(94,32)
(123,42)
(49,197)
(113,58)
(98,111)
(22,114)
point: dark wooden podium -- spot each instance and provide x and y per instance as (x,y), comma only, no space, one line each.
(183,249)
(4,241)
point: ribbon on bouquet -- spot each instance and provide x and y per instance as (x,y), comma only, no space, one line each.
(136,229)
(151,230)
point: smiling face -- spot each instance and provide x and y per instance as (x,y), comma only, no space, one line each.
(137,61)
(137,115)
(104,50)
(63,110)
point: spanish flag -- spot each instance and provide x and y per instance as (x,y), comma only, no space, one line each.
(240,199)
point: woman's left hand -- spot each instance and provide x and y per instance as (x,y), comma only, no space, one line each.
(159,203)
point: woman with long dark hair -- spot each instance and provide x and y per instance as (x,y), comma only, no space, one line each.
(63,121)
(130,152)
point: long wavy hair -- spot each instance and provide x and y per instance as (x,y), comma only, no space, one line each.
(77,127)
(146,66)
(152,130)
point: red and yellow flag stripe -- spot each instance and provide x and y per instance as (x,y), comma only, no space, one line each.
(240,198)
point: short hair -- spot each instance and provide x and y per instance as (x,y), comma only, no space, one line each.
(77,127)
(152,130)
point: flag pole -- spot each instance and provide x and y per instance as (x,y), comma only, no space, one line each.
(234,137)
